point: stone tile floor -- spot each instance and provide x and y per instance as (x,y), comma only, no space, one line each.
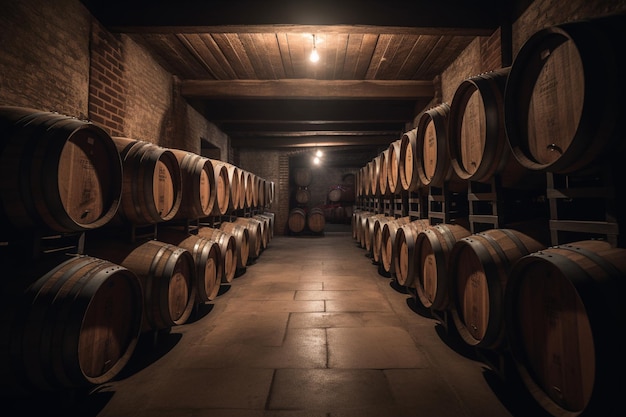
(310,329)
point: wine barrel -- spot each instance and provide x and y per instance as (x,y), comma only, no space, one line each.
(152,186)
(405,262)
(57,172)
(222,188)
(255,234)
(368,231)
(303,195)
(564,310)
(235,188)
(432,248)
(315,220)
(207,258)
(393,167)
(479,266)
(242,239)
(408,159)
(388,238)
(228,250)
(250,190)
(433,161)
(167,274)
(266,223)
(383,182)
(302,176)
(377,237)
(198,182)
(76,326)
(564,96)
(476,136)
(375,176)
(297,220)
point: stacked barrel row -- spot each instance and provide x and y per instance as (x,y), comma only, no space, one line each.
(556,309)
(73,320)
(506,291)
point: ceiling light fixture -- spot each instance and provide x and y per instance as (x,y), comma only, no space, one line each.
(314,57)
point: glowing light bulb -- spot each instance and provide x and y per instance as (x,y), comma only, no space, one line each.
(314,56)
(316,160)
(319,153)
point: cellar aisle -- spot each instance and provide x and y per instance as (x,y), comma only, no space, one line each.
(310,329)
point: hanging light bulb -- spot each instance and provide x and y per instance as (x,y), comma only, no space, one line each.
(319,153)
(316,160)
(314,57)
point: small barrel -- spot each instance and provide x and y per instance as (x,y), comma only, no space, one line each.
(563,103)
(198,182)
(405,262)
(479,267)
(58,172)
(383,182)
(167,274)
(368,231)
(222,188)
(207,258)
(228,250)
(432,248)
(76,326)
(242,238)
(234,181)
(564,312)
(152,187)
(315,220)
(249,185)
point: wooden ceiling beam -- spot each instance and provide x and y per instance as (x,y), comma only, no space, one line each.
(307,89)
(308,141)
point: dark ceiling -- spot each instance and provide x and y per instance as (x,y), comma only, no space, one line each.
(244,64)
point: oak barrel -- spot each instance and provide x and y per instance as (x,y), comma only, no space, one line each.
(297,220)
(433,247)
(207,258)
(242,238)
(408,160)
(477,141)
(76,326)
(222,188)
(198,185)
(479,267)
(433,160)
(56,172)
(167,274)
(564,98)
(564,313)
(302,176)
(377,237)
(228,250)
(388,239)
(255,234)
(393,167)
(152,186)
(405,263)
(315,220)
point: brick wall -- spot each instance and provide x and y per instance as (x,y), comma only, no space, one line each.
(44,63)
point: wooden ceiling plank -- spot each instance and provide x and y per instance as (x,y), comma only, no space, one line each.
(194,44)
(285,56)
(306,88)
(368,46)
(172,55)
(380,56)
